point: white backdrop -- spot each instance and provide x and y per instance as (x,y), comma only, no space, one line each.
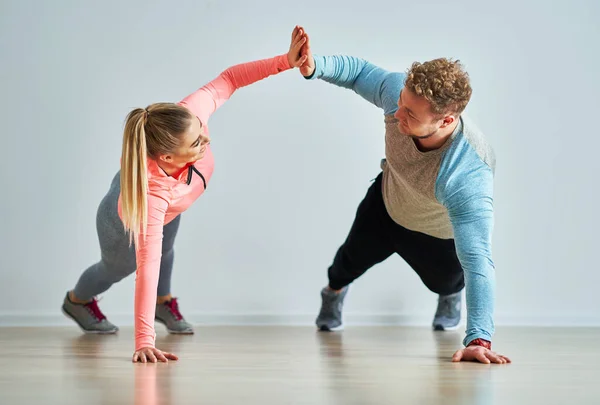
(294,158)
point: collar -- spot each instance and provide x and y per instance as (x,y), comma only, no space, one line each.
(186,175)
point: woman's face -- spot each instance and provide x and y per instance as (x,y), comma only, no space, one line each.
(193,145)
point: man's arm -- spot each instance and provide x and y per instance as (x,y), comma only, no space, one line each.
(376,85)
(473,225)
(467,193)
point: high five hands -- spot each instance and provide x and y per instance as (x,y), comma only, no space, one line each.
(300,55)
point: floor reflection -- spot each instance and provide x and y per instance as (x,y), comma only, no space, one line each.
(358,371)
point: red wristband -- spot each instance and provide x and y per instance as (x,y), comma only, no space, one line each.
(481,342)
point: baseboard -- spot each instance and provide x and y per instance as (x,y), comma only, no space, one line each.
(57,319)
(7,320)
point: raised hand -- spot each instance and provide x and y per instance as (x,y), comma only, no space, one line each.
(299,38)
(308,67)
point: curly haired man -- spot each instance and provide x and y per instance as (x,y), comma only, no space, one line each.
(432,203)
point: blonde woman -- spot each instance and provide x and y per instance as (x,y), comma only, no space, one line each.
(166,164)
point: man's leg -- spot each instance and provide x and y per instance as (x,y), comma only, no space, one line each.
(436,263)
(367,244)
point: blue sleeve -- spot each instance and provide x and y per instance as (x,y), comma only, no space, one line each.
(374,84)
(468,195)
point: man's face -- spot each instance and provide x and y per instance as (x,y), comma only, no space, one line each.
(415,118)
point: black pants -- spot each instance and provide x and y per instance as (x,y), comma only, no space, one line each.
(374,237)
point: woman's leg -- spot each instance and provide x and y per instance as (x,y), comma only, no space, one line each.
(166,261)
(167,308)
(117,262)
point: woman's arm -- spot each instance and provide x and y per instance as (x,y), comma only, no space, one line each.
(148,253)
(214,94)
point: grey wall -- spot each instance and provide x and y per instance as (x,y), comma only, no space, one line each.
(294,158)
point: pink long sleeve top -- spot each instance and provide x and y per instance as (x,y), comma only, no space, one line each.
(170,196)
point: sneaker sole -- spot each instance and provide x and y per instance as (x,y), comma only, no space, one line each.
(442,328)
(325,328)
(174,332)
(88,331)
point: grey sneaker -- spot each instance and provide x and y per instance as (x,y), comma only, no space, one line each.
(447,315)
(88,316)
(330,316)
(168,314)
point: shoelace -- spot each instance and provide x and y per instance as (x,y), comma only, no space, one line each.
(174,308)
(93,309)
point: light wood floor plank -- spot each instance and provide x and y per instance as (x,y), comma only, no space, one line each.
(297,365)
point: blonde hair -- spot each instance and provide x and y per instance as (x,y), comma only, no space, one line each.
(148,132)
(443,82)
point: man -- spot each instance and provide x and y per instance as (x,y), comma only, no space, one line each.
(433,201)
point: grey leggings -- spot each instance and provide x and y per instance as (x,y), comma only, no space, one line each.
(117,257)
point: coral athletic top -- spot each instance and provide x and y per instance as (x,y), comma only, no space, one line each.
(170,196)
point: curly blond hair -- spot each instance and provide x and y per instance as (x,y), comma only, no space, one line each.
(443,82)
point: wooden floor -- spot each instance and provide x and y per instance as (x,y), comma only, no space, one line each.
(297,365)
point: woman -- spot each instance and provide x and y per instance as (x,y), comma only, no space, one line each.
(166,164)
